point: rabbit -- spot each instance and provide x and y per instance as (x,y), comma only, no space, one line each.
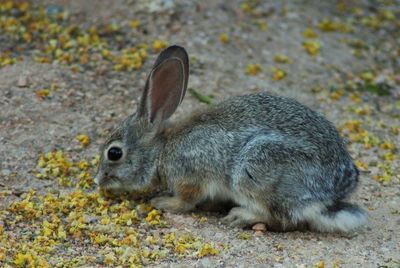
(281,163)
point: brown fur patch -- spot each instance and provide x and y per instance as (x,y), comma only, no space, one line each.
(188,192)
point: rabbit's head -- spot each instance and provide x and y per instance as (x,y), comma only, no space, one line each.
(129,158)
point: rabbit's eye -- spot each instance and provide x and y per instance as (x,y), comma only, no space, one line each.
(114,153)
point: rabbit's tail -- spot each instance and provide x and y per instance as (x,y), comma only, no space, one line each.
(340,217)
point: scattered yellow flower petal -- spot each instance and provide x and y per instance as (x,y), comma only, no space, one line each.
(363,110)
(180,248)
(309,33)
(83,164)
(321,264)
(24,260)
(153,217)
(95,160)
(279,58)
(262,25)
(42,93)
(6,59)
(224,38)
(390,157)
(244,236)
(131,58)
(277,74)
(134,24)
(246,7)
(109,258)
(387,14)
(53,164)
(361,165)
(395,130)
(253,69)
(367,76)
(387,145)
(207,250)
(336,95)
(356,97)
(312,47)
(341,6)
(384,177)
(331,26)
(203,219)
(159,45)
(83,139)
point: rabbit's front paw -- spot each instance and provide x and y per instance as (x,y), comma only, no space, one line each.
(172,204)
(240,217)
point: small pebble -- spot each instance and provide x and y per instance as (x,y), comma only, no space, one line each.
(23,81)
(258,233)
(205,262)
(259,227)
(53,10)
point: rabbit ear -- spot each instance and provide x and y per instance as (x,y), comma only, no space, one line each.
(166,84)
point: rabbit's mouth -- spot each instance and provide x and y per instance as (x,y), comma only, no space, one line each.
(109,183)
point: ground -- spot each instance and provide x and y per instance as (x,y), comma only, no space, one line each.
(71,70)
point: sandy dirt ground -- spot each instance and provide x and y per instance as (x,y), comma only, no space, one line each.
(339,57)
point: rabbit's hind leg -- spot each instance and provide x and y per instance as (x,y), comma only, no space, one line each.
(245,217)
(263,179)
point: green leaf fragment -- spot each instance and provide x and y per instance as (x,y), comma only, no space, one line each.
(208,99)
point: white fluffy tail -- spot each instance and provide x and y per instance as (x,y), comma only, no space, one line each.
(341,217)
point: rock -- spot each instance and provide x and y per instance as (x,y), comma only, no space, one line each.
(176,27)
(23,81)
(5,172)
(205,262)
(89,219)
(53,10)
(380,79)
(258,233)
(156,6)
(99,258)
(259,227)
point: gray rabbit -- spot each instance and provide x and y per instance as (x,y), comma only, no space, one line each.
(280,162)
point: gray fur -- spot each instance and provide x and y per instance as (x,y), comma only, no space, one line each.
(279,161)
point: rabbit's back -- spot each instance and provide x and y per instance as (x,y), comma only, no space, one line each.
(243,117)
(279,114)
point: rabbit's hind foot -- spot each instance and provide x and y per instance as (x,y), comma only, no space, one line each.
(242,217)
